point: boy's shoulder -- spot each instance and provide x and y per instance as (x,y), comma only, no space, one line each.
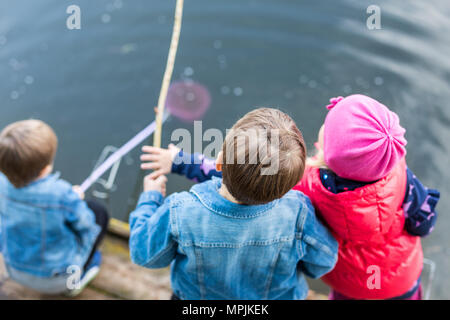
(52,191)
(193,197)
(180,198)
(55,184)
(299,203)
(299,196)
(62,192)
(49,191)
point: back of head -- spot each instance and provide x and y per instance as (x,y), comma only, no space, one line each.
(263,157)
(363,139)
(26,148)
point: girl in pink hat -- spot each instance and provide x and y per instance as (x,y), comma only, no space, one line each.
(375,206)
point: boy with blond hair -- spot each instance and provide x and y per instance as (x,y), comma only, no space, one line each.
(48,232)
(245,236)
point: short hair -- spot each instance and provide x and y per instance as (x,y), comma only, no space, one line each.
(26,148)
(278,139)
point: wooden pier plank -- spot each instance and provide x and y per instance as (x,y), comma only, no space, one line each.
(11,290)
(118,279)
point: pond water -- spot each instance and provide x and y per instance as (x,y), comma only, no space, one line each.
(97,86)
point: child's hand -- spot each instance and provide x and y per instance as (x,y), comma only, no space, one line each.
(78,191)
(158,184)
(160,160)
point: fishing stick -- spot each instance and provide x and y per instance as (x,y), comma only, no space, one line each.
(168,73)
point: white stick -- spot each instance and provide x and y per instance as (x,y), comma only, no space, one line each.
(168,73)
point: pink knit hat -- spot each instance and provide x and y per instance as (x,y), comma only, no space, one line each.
(363,139)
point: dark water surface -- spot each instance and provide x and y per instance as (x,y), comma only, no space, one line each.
(97,86)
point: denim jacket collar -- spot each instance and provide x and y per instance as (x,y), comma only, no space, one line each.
(50,177)
(209,196)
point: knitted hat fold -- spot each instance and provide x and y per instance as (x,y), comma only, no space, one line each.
(363,139)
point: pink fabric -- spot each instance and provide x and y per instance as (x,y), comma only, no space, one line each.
(363,139)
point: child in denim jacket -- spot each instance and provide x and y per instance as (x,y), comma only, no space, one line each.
(48,233)
(246,236)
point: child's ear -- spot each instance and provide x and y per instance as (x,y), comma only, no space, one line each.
(46,171)
(219,162)
(320,137)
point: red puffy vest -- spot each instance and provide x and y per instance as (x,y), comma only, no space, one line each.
(368,224)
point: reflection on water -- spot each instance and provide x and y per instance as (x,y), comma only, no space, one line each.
(97,86)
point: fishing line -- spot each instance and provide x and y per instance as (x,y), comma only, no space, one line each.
(122,151)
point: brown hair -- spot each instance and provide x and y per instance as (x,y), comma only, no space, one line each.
(270,135)
(26,148)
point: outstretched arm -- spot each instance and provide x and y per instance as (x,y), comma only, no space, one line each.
(195,166)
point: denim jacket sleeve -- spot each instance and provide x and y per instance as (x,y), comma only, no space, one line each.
(318,246)
(151,242)
(79,217)
(1,248)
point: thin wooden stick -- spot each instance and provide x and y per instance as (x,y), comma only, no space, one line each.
(168,73)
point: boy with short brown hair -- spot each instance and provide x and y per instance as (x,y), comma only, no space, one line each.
(26,148)
(46,227)
(248,236)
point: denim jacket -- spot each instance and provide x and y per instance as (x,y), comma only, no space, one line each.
(222,250)
(45,227)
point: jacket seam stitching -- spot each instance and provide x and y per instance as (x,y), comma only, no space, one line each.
(156,257)
(173,223)
(55,206)
(200,274)
(317,244)
(272,271)
(43,235)
(240,245)
(257,214)
(300,226)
